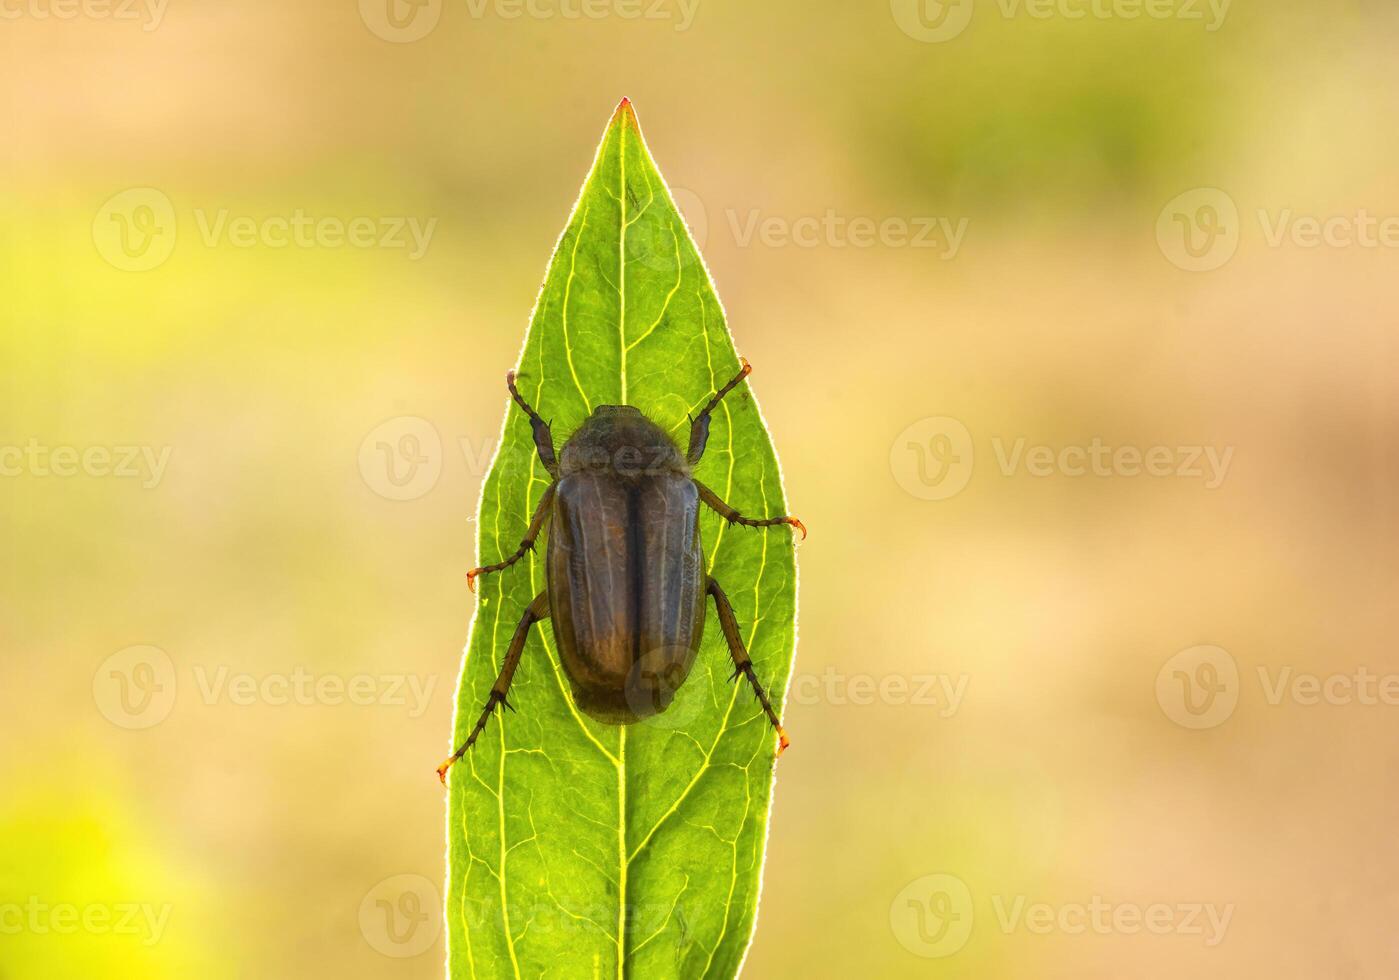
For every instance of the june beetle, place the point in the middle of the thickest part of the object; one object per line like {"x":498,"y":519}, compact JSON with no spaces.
{"x":626,"y":582}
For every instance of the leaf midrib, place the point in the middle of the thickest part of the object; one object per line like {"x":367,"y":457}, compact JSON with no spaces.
{"x":622,"y":863}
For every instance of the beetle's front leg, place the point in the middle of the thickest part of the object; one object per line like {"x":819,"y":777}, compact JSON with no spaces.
{"x":743,"y":664}
{"x":536,"y":525}
{"x":537,"y":610}
{"x":543,"y":435}
{"x":734,"y":517}
{"x":699,"y":425}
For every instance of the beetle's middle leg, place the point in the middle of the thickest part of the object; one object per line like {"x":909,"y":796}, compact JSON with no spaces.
{"x":541,"y":517}
{"x":743,"y":664}
{"x":537,"y":610}
{"x":734,"y":517}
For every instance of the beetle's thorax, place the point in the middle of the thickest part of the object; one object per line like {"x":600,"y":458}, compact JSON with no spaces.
{"x":620,"y":441}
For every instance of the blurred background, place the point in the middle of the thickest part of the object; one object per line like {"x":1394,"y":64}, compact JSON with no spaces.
{"x":1074,"y":323}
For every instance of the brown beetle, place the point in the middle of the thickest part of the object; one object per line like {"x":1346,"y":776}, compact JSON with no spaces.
{"x":626,"y":576}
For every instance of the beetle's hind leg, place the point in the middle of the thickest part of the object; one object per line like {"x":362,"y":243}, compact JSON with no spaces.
{"x":543,"y":435}
{"x":734,"y":517}
{"x":537,"y":610}
{"x":699,"y":425}
{"x":536,"y":525}
{"x":743,"y":664}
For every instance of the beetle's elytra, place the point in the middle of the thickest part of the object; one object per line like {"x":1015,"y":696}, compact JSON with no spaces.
{"x":626,"y":581}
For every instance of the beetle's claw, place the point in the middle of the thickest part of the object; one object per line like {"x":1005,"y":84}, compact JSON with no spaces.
{"x":442,"y":769}
{"x":471,"y":577}
{"x":747,"y":368}
{"x":782,"y":741}
{"x":798,"y":525}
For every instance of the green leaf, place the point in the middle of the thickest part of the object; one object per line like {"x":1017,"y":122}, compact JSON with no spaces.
{"x":579,"y":849}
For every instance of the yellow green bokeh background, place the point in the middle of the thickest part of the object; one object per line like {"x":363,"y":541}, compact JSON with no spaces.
{"x":266,"y":546}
